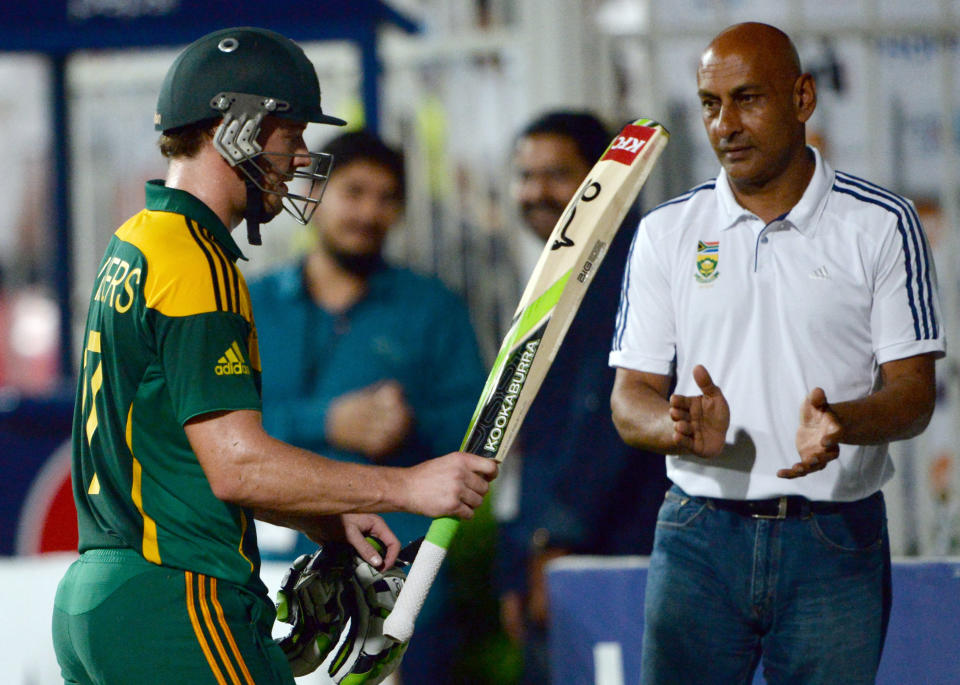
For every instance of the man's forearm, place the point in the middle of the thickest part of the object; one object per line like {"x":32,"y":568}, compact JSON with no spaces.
{"x":299,"y":484}
{"x":249,"y":468}
{"x":900,"y":409}
{"x":649,"y":428}
{"x":641,"y":412}
{"x":317,"y":528}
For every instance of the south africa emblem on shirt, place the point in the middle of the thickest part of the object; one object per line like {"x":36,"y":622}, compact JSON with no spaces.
{"x":708,"y":256}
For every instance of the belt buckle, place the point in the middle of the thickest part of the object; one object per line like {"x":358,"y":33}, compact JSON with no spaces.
{"x":781,"y":510}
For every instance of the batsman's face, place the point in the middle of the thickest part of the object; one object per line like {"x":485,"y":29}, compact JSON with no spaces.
{"x":362,"y":202}
{"x":753,"y":114}
{"x":283,"y":151}
{"x":549,"y":169}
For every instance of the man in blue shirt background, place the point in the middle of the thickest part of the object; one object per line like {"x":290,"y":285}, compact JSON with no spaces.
{"x":368,"y":362}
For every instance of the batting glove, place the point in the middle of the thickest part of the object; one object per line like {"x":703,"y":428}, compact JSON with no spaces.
{"x":310,"y":600}
{"x":336,"y":604}
{"x":368,"y":656}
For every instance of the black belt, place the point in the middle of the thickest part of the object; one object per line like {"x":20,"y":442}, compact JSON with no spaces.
{"x":777,"y":507}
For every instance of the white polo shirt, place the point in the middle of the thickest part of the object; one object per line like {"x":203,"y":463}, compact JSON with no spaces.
{"x":820,"y":297}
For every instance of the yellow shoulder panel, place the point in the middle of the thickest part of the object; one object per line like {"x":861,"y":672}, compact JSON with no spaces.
{"x":246,"y":310}
{"x":187,"y":272}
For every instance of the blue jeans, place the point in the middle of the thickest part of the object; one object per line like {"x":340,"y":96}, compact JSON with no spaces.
{"x":810,"y":595}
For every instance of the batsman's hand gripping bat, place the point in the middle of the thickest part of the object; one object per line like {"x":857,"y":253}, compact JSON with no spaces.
{"x":549,"y":302}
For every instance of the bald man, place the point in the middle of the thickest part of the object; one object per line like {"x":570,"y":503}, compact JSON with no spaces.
{"x":796,"y":310}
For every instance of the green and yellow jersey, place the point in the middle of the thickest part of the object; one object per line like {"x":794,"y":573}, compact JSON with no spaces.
{"x":169,"y":336}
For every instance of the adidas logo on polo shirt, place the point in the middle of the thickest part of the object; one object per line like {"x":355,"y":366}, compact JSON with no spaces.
{"x":231,"y":363}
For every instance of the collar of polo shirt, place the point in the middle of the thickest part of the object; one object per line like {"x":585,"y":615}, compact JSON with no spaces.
{"x":803,"y":216}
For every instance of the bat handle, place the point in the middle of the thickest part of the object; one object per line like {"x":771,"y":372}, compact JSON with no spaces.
{"x":423,"y":571}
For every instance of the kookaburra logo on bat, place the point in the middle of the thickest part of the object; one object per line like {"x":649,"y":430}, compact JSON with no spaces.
{"x":589,"y":194}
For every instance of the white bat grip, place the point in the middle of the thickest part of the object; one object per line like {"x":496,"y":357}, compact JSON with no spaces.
{"x":423,"y":571}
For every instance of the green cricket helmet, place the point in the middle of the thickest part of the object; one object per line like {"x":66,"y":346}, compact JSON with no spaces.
{"x":244,"y":74}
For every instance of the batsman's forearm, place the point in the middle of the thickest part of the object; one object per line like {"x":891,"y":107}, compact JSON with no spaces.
{"x":298,"y":485}
{"x":247,"y":467}
{"x":317,"y":528}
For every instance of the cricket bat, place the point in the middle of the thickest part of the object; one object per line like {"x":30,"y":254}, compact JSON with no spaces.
{"x":553,"y":293}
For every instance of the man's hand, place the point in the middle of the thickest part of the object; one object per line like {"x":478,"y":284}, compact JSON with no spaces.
{"x":700,"y":422}
{"x":355,"y":529}
{"x":373,"y":421}
{"x":451,"y":485}
{"x":818,"y":436}
{"x":359,"y":528}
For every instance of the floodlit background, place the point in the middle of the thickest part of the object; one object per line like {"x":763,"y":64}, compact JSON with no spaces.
{"x":454,"y":94}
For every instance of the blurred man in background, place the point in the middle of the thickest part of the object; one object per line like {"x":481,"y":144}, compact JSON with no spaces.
{"x":368,"y":362}
{"x":581,"y":490}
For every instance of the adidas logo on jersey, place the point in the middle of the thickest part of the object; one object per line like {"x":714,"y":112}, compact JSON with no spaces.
{"x":231,"y":363}
{"x":820,"y":273}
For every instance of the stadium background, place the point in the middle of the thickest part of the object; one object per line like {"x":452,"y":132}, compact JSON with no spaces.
{"x":453,"y":80}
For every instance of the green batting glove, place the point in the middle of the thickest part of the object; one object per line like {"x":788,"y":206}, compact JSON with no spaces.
{"x":309,"y":600}
{"x":366,"y":656}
